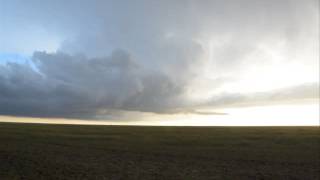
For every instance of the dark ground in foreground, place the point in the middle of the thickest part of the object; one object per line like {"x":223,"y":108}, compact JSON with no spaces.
{"x":34,"y":151}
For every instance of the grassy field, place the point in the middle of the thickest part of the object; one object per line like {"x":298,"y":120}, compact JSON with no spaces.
{"x":35,"y":151}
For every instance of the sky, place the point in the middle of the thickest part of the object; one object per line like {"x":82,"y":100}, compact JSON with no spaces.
{"x":170,"y":62}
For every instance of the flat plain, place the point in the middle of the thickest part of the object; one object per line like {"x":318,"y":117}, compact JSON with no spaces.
{"x":41,"y":151}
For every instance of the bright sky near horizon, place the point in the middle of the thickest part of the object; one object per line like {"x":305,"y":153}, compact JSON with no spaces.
{"x":209,"y":62}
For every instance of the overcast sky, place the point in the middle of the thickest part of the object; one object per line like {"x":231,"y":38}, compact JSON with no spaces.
{"x":100,"y":59}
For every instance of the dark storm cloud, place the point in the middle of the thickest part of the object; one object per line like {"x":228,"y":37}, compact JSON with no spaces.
{"x":75,"y":86}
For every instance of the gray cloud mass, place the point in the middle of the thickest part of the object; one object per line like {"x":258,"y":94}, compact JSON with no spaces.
{"x":75,"y":86}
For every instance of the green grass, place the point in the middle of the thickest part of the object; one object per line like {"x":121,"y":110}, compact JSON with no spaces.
{"x":35,"y":151}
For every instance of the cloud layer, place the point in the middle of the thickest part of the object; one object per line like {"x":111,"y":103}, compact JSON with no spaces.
{"x":76,"y":86}
{"x":90,"y":59}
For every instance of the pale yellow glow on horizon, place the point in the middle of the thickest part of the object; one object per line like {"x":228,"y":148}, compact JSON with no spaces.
{"x":276,"y":115}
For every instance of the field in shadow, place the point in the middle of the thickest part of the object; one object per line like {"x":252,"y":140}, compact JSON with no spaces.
{"x":35,"y":151}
